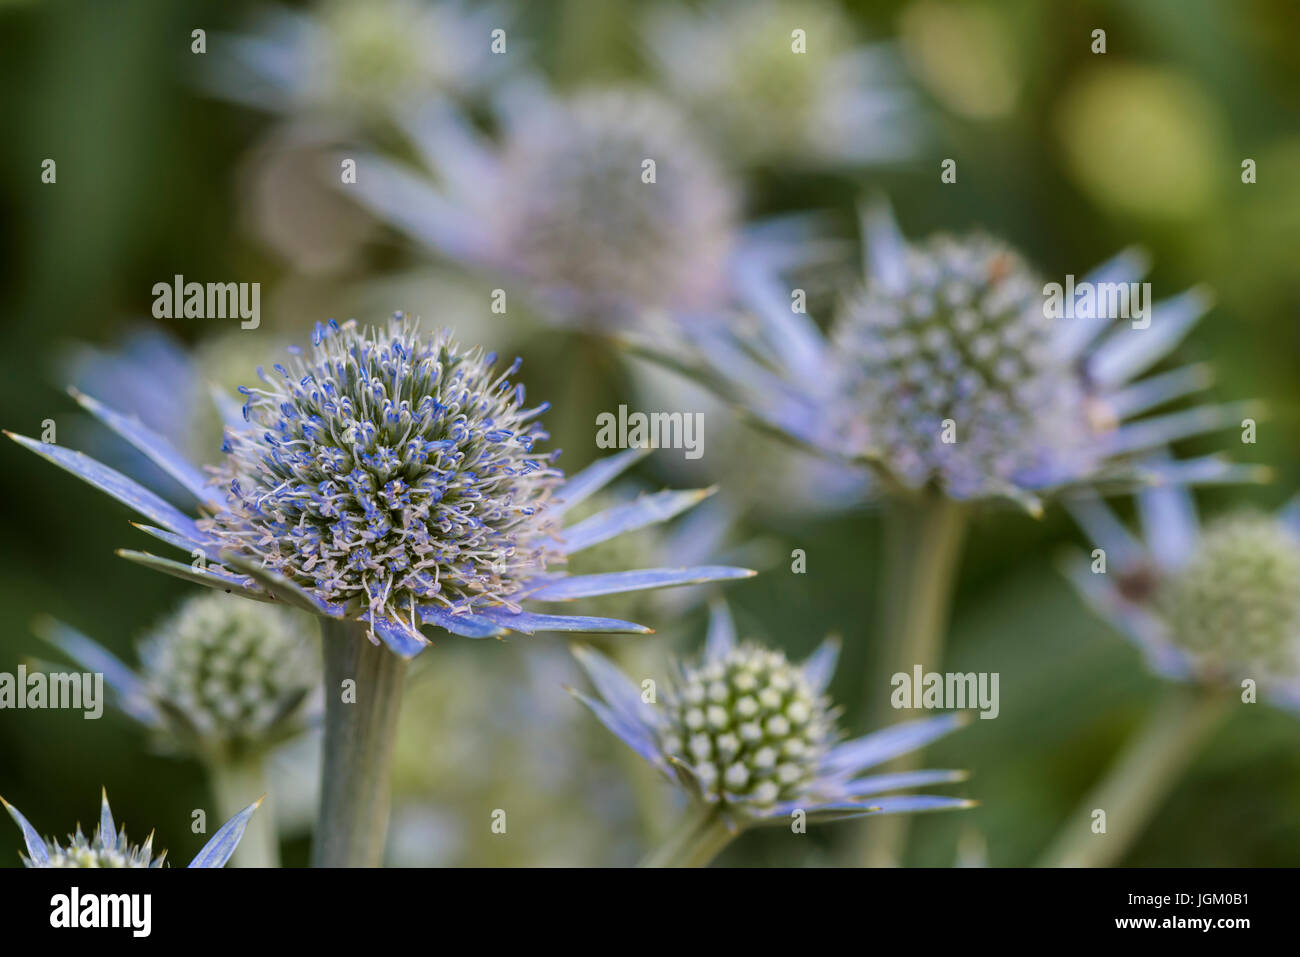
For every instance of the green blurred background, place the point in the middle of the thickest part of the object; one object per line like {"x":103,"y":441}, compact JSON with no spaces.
{"x":1068,"y":154}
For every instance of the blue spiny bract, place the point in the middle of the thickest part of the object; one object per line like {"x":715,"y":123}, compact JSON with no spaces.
{"x":110,"y":847}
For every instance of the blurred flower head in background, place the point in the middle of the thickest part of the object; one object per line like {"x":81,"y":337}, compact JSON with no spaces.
{"x":353,"y":64}
{"x":578,"y":216}
{"x":773,"y":81}
{"x":110,"y":847}
{"x":1213,"y":604}
{"x":602,"y":204}
{"x":220,"y":679}
{"x":946,"y":372}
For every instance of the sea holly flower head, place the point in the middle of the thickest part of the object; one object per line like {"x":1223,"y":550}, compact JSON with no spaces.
{"x":1212,"y":605}
{"x":601,"y":205}
{"x":751,"y":725}
{"x":579,"y":216}
{"x":770,"y":94}
{"x":348,"y":63}
{"x":1237,"y":599}
{"x":959,"y":336}
{"x":111,"y":848}
{"x":219,"y":679}
{"x":754,"y":735}
{"x":386,"y":472}
{"x":394,"y":479}
{"x":232,"y":671}
{"x":943,"y":373}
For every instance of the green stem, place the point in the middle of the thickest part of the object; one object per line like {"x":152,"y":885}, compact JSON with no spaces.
{"x":923,"y":543}
{"x":1143,"y":775}
{"x":360,"y":730}
{"x":235,"y":785}
{"x":697,"y":841}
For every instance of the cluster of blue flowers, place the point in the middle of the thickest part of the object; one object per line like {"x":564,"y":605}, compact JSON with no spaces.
{"x":392,"y":482}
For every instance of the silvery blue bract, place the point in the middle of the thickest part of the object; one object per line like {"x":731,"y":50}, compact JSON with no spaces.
{"x":110,"y":847}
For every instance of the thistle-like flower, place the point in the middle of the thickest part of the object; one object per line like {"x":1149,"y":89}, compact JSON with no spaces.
{"x":219,"y":679}
{"x":393,"y":479}
{"x":753,"y":736}
{"x":349,"y":63}
{"x":740,"y":69}
{"x":601,"y":205}
{"x":110,"y":847}
{"x":1209,"y":605}
{"x":944,"y":372}
{"x":962,"y":338}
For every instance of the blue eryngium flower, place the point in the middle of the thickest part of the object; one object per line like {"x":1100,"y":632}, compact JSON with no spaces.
{"x":733,"y":64}
{"x":944,"y":372}
{"x":220,"y":679}
{"x":110,"y":847}
{"x":1206,"y":605}
{"x":394,"y":479}
{"x":564,"y":204}
{"x":754,"y":735}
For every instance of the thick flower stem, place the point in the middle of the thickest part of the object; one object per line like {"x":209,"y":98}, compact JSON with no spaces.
{"x":235,"y":785}
{"x":700,"y":838}
{"x":363,"y":693}
{"x":1139,"y":780}
{"x":923,"y":543}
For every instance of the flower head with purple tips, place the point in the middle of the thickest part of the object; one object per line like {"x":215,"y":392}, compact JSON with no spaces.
{"x":110,"y":847}
{"x":394,"y":479}
{"x":385,"y":472}
{"x":754,"y":735}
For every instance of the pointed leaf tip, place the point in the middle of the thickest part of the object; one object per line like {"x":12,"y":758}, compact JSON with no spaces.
{"x":218,"y":850}
{"x":36,"y":847}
